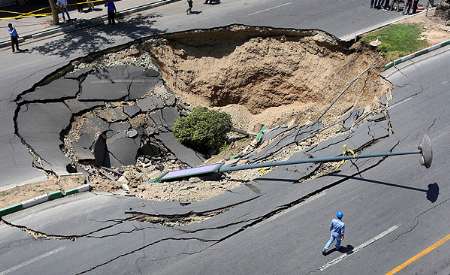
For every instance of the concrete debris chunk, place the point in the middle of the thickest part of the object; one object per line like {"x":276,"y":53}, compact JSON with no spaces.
{"x":132,"y":110}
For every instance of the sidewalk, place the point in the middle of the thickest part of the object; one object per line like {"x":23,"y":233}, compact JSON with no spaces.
{"x":38,"y":27}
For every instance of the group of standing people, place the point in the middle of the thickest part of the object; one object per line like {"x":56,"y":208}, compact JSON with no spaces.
{"x":409,"y":8}
{"x":109,"y":4}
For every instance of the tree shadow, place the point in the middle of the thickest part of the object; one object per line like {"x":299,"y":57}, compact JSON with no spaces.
{"x":93,"y":35}
{"x":432,"y":192}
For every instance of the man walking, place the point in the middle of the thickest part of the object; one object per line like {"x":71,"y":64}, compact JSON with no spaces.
{"x":337,"y":229}
{"x":62,"y":5}
{"x":111,"y":7}
{"x":14,"y":38}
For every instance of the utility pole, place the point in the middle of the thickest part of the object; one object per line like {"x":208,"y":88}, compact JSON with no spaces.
{"x":54,"y":10}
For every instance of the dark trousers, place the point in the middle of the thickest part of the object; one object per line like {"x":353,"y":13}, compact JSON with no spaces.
{"x":189,"y":10}
{"x":111,"y":17}
{"x":414,"y":7}
{"x":407,"y":7}
{"x":15,"y":43}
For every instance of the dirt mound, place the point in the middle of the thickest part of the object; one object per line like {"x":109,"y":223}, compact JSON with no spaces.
{"x":299,"y":72}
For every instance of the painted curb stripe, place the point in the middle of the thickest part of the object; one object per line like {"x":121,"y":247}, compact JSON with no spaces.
{"x":43,"y":198}
{"x":34,"y":201}
{"x":55,"y":195}
{"x":10,"y":209}
{"x":416,"y":54}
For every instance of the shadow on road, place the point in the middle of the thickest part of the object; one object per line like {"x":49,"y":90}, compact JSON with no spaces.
{"x":343,"y":249}
{"x":92,"y":39}
{"x":432,"y":193}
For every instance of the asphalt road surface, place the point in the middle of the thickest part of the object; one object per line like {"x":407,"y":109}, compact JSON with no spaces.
{"x":394,"y":210}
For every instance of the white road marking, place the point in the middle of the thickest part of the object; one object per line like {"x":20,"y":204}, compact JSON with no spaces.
{"x":32,"y":260}
{"x":367,"y":243}
{"x":290,"y":209}
{"x":272,"y":8}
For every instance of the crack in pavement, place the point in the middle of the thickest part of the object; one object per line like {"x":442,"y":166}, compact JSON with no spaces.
{"x":417,"y":219}
{"x":172,"y":220}
{"x":143,"y":247}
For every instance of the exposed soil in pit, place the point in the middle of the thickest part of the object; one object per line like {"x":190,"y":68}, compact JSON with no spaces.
{"x":258,"y":75}
{"x":267,"y":76}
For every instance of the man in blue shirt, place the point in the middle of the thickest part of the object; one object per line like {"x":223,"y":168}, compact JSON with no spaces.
{"x":337,"y":230}
{"x":14,"y":37}
{"x":111,"y":7}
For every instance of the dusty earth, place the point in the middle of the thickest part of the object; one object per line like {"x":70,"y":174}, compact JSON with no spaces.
{"x":435,"y":28}
{"x":271,"y":80}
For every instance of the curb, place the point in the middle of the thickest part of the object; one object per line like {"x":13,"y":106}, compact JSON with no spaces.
{"x":416,"y":54}
{"x":43,"y":198}
{"x":97,"y":21}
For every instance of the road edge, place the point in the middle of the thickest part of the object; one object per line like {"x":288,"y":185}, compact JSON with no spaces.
{"x":43,"y":198}
{"x":96,"y":21}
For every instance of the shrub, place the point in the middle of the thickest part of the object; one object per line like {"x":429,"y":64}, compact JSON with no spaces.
{"x":203,"y":130}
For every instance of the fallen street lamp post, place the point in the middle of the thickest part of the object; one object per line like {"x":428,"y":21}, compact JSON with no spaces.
{"x":424,"y":150}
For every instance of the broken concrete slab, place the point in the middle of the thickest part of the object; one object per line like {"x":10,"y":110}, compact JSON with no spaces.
{"x":351,"y":118}
{"x":86,"y":140}
{"x":131,"y":110}
{"x":150,"y":103}
{"x":123,"y":149}
{"x":60,"y":88}
{"x":181,"y":152}
{"x":141,"y":86}
{"x":43,"y":118}
{"x":95,"y":88}
{"x":78,"y":73}
{"x":120,"y":127}
{"x":157,"y":118}
{"x":83,"y":154}
{"x":169,"y":115}
{"x":77,"y":106}
{"x":94,"y":124}
{"x":112,"y":114}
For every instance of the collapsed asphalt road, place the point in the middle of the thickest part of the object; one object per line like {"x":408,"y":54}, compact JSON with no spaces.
{"x":275,"y":226}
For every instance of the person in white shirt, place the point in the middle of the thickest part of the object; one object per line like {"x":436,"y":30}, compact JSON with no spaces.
{"x":62,"y":5}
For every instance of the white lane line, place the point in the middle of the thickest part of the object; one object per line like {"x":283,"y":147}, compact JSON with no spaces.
{"x":290,"y":209}
{"x":32,"y":260}
{"x":269,"y":9}
{"x":367,"y":243}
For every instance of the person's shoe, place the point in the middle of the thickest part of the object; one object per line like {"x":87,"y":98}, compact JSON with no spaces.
{"x":324,"y":252}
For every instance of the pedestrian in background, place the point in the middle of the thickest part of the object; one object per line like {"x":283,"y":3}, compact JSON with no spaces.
{"x":407,"y":6}
{"x":414,"y":7}
{"x":62,"y":5}
{"x":189,"y":9}
{"x":111,"y":8}
{"x":337,"y":229}
{"x":14,"y":38}
{"x":91,"y":6}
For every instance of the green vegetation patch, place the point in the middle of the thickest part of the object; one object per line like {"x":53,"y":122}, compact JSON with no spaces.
{"x":203,"y":130}
{"x":398,"y":40}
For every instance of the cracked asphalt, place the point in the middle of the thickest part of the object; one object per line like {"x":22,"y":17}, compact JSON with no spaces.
{"x":278,"y":229}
